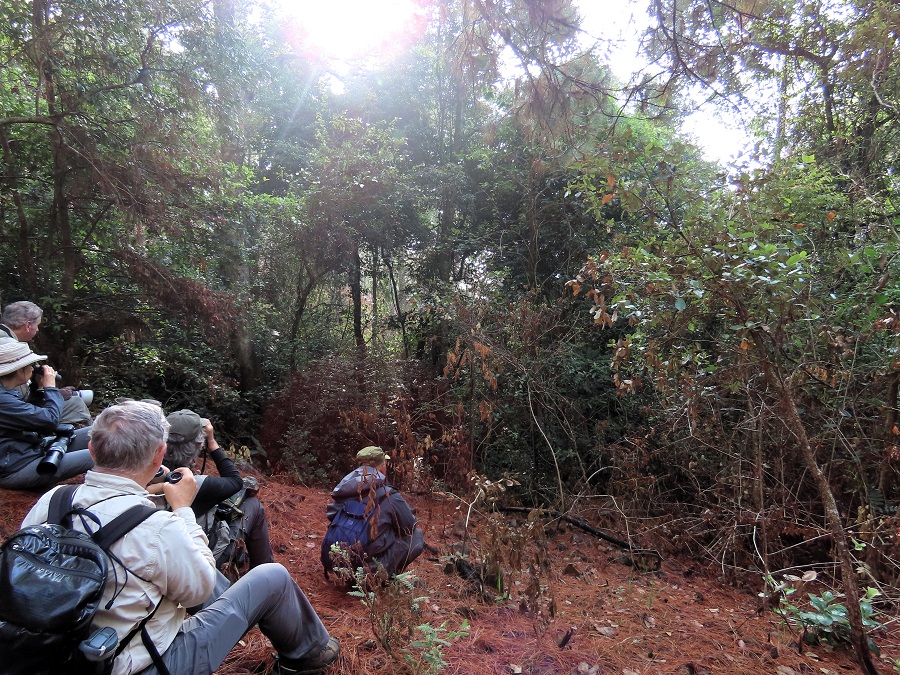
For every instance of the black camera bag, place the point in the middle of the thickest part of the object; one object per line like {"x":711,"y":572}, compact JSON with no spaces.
{"x":52,"y":579}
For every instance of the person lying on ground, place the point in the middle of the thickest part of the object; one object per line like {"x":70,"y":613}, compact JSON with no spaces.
{"x":25,"y":424}
{"x":189,"y":434}
{"x":164,"y":565}
{"x":396,"y":541}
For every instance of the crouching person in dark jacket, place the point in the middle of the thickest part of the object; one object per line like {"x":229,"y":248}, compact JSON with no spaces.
{"x":189,"y":434}
{"x":395,"y":540}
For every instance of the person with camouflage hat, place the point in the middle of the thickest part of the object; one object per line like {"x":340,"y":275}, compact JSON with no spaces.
{"x":396,"y":541}
{"x":189,"y":434}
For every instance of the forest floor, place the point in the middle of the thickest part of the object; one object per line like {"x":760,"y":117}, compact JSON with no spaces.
{"x":609,"y":617}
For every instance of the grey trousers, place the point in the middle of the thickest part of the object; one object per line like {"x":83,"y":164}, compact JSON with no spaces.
{"x":76,"y":461}
{"x":266,"y":595}
{"x":74,"y":411}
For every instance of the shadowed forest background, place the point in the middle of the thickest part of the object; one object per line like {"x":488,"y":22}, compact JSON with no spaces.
{"x":488,"y":255}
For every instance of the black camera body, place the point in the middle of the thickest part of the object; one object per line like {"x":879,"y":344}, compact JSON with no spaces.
{"x":54,"y":449}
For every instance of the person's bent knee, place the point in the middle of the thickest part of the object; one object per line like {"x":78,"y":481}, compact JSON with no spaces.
{"x":273,"y":573}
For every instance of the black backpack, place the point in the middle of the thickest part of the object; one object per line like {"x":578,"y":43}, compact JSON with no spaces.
{"x":352,"y":528}
{"x":52,"y":579}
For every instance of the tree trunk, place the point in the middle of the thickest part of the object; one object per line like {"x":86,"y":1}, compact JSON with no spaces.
{"x":60,"y":217}
{"x":890,"y":436}
{"x":303,"y":292}
{"x":401,"y":316}
{"x":26,"y":255}
{"x":828,"y":96}
{"x":232,"y":150}
{"x":374,"y":327}
{"x":356,"y":295}
{"x":848,"y":575}
{"x":60,"y":225}
{"x":759,"y":475}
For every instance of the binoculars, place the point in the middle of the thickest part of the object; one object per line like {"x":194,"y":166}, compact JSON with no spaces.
{"x":38,"y":374}
{"x":171,"y":477}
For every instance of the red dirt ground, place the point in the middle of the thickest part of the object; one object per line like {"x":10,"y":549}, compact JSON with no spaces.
{"x":677,"y":620}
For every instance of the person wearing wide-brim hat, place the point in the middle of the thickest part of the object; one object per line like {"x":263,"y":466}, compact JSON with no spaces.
{"x":25,"y":423}
{"x":396,"y":540}
{"x":20,"y":322}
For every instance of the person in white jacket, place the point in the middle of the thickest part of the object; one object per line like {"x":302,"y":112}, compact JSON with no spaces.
{"x":165,"y":563}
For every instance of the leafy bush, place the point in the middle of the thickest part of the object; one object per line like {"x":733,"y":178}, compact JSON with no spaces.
{"x":825,"y":619}
{"x":338,"y":405}
{"x":395,"y":615}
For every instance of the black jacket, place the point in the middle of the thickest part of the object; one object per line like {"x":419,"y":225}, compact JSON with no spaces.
{"x":214,"y":489}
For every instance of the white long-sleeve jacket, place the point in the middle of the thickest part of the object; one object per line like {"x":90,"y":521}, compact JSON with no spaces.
{"x":167,"y":558}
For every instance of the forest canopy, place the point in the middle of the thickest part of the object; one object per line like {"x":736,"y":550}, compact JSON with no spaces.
{"x":485,"y":252}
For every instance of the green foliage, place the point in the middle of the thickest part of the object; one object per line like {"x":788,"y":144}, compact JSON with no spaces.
{"x":391,"y":603}
{"x":824,"y":619}
{"x":535,"y":387}
{"x":395,"y":613}
{"x":428,"y":657}
{"x":728,"y":295}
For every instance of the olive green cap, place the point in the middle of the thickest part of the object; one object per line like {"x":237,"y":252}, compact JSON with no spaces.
{"x":373,"y":454}
{"x":184,"y":425}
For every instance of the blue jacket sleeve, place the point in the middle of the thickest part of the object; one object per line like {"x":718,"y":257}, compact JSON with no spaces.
{"x":41,"y":414}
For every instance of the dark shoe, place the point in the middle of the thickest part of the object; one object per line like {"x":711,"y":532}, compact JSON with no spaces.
{"x":312,"y":663}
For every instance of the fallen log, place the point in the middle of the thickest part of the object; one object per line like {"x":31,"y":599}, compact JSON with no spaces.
{"x":636,"y":553}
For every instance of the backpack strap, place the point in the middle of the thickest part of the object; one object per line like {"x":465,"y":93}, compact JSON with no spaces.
{"x":151,"y":648}
{"x":60,"y":508}
{"x":148,"y":643}
{"x":121,"y":525}
{"x":114,"y":530}
{"x":61,"y":504}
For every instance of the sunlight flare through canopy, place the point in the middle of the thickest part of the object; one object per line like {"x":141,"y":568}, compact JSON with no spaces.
{"x":351,"y":29}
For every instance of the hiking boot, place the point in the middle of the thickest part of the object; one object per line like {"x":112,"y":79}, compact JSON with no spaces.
{"x":314,"y":662}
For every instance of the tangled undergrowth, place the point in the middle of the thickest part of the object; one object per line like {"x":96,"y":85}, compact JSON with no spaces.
{"x":607,"y":617}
